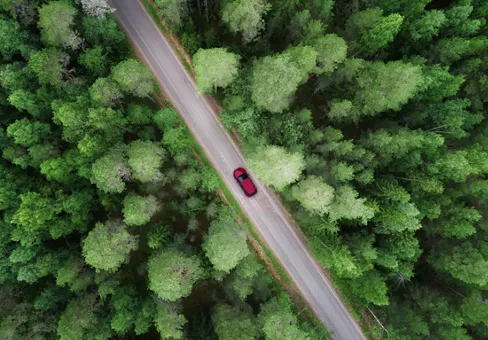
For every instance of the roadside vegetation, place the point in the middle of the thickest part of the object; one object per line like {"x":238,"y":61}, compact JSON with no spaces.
{"x":368,"y":117}
{"x":110,"y":227}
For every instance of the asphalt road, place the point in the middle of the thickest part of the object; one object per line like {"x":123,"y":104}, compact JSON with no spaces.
{"x":264,"y":210}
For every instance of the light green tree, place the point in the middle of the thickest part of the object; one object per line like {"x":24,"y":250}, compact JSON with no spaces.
{"x":381,"y":34}
{"x":331,"y":51}
{"x":276,"y":78}
{"x":234,"y":323}
{"x":427,"y":26}
{"x":278,"y":322}
{"x":387,"y":86}
{"x":314,"y":194}
{"x":245,"y":17}
{"x":215,"y":67}
{"x":55,"y":21}
{"x":145,"y":158}
{"x":49,"y":66}
{"x":94,"y":60}
{"x":173,"y":11}
{"x":226,"y":244}
{"x":105,"y":92}
{"x":138,"y":210}
{"x":169,"y":321}
{"x":270,"y":160}
{"x":110,"y":171}
{"x":347,"y":205}
{"x":172,"y":274}
{"x":108,"y":245}
{"x":82,"y":320}
{"x":133,"y":77}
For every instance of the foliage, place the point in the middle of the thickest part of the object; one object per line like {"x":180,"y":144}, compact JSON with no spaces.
{"x":225,"y":245}
{"x":55,"y":21}
{"x":276,"y":78}
{"x":215,"y":68}
{"x":245,"y":17}
{"x":172,"y":274}
{"x":269,"y":161}
{"x":106,"y":247}
{"x":138,"y":210}
{"x":233,"y":323}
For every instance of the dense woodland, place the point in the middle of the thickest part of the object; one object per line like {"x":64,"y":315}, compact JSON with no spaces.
{"x":110,"y":227}
{"x":374,"y":113}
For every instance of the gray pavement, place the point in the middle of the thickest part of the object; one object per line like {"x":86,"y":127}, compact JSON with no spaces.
{"x":264,"y":210}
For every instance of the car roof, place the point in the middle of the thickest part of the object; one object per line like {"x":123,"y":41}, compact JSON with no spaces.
{"x":248,"y":185}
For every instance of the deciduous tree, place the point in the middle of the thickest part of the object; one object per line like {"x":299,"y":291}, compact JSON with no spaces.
{"x":215,"y":67}
{"x":226,"y":244}
{"x":133,"y":78}
{"x":138,"y":210}
{"x":55,"y":21}
{"x":107,"y":246}
{"x":245,"y":17}
{"x":172,"y":274}
{"x":267,"y":161}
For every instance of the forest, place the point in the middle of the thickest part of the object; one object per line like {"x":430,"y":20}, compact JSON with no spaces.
{"x":374,"y":113}
{"x":111,"y":227}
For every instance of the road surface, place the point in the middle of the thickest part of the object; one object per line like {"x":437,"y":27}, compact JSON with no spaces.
{"x":263,"y":209}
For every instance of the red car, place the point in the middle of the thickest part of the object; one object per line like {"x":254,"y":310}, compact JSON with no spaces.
{"x":242,"y":177}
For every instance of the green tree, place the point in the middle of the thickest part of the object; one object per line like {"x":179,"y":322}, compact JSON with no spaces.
{"x":269,"y":160}
{"x":145,"y":159}
{"x":94,"y":60}
{"x":381,"y":34}
{"x":126,"y":306}
{"x":27,"y":133}
{"x":387,"y":86}
{"x":458,"y":22}
{"x":82,"y":319}
{"x":234,"y":323}
{"x":427,"y":26}
{"x":108,"y":245}
{"x":104,"y":32}
{"x":133,"y":78}
{"x":245,"y":17}
{"x":305,"y":29}
{"x":278,"y":322}
{"x":139,"y":114}
{"x":475,"y":309}
{"x":105,"y":92}
{"x":172,"y":274}
{"x":173,"y":11}
{"x":347,"y":205}
{"x":276,"y":78}
{"x":14,"y":39}
{"x":226,"y":244}
{"x":314,"y":195}
{"x":331,"y":51}
{"x":464,"y":262}
{"x":35,"y":211}
{"x":169,"y":321}
{"x":439,"y":83}
{"x":49,"y":66}
{"x":450,"y":50}
{"x":215,"y":67}
{"x":138,"y":210}
{"x":27,"y":101}
{"x":110,"y":171}
{"x":55,"y":21}
{"x":368,"y":288}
